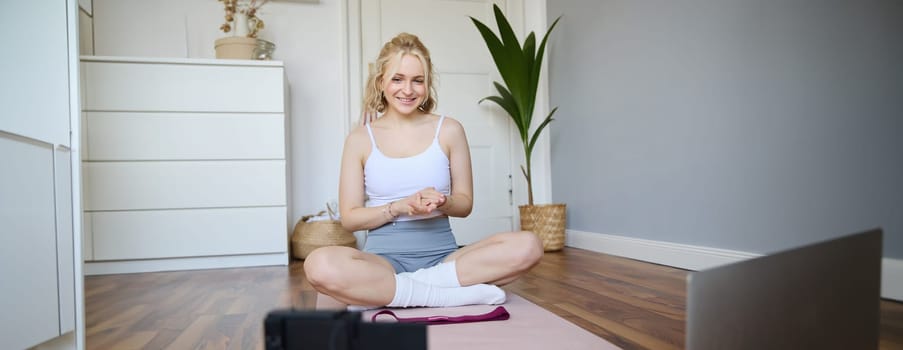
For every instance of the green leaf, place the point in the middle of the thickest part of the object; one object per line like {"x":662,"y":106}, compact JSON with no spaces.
{"x":539,"y":130}
{"x":531,"y":83}
{"x":537,"y":64}
{"x":516,"y":76}
{"x":507,"y":104}
{"x":496,"y":48}
{"x":523,"y":126}
{"x":529,"y":49}
{"x":542,"y":46}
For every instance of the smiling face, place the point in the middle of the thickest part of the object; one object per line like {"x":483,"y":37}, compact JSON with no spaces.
{"x":396,"y":77}
{"x":405,"y":89}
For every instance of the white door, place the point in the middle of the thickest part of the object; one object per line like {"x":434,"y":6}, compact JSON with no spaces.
{"x":38,"y":293}
{"x":466,"y":73}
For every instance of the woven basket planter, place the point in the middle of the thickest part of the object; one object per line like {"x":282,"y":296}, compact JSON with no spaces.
{"x":547,"y":221}
{"x":312,"y":235}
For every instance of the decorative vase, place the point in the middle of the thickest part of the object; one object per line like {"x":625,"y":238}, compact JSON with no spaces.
{"x":241,"y":24}
{"x":264,"y":50}
{"x":546,"y":221}
{"x":235,"y":47}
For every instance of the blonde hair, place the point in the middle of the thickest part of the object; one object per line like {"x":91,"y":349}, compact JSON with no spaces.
{"x":402,"y":44}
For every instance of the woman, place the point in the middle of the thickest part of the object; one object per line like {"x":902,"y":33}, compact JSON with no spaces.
{"x":402,"y":176}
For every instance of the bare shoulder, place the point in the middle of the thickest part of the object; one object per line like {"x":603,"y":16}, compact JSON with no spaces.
{"x":358,"y":140}
{"x":452,"y":127}
{"x":452,"y":136}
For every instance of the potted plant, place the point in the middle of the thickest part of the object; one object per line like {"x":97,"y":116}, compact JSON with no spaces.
{"x":520,"y":67}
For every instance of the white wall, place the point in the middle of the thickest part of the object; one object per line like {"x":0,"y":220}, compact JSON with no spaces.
{"x":85,"y":27}
{"x":308,"y":37}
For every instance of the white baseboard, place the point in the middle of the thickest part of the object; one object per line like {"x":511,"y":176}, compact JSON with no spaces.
{"x":176,"y":264}
{"x":690,"y":257}
{"x":892,"y":279}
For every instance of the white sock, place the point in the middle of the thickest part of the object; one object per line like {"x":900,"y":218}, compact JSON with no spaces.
{"x":412,"y":293}
{"x":442,"y":275}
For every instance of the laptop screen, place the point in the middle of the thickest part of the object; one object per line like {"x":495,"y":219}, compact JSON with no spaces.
{"x":824,"y":295}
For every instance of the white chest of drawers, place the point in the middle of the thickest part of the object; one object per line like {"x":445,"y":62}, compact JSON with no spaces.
{"x":184,"y":164}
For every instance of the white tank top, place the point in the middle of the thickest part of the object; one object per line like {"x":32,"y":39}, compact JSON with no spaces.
{"x":389,"y":179}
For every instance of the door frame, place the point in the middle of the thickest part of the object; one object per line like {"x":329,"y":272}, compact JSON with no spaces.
{"x":75,"y":113}
{"x":525,"y":16}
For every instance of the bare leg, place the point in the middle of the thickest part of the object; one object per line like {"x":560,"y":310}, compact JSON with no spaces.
{"x":358,"y":278}
{"x":498,"y":259}
{"x":350,"y":275}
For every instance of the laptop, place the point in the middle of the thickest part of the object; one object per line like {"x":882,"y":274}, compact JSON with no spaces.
{"x":824,"y":295}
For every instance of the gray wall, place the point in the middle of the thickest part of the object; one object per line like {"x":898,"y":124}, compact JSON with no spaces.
{"x":744,"y":125}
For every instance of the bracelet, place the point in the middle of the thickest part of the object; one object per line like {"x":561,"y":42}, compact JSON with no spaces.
{"x":387,"y":211}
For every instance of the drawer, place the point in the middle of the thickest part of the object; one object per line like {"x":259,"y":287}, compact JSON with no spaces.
{"x":183,"y":136}
{"x":183,"y":184}
{"x":184,"y":233}
{"x":170,"y":87}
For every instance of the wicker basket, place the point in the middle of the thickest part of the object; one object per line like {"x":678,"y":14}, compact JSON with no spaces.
{"x":315,"y":234}
{"x":546,"y":221}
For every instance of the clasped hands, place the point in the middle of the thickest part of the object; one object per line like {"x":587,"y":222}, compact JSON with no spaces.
{"x":421,"y":202}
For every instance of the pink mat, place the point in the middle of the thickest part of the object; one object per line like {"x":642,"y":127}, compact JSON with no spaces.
{"x":530,"y":327}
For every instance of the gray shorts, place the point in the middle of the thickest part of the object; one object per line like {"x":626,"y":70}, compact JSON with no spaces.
{"x":412,"y":245}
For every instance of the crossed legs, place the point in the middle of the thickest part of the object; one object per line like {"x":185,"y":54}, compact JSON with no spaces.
{"x":359,"y":278}
{"x":498,"y":259}
{"x":350,"y":275}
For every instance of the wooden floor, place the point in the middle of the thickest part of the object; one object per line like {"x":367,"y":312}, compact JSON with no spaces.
{"x":632,"y":304}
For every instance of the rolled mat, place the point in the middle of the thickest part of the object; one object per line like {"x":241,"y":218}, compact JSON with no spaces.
{"x":529,"y":327}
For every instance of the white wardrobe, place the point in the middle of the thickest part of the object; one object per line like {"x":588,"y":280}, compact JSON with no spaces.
{"x":184,"y":164}
{"x":40,"y":268}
